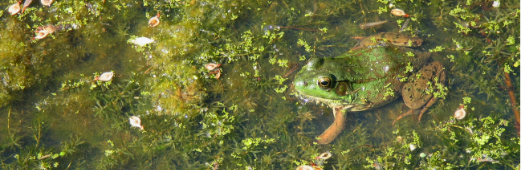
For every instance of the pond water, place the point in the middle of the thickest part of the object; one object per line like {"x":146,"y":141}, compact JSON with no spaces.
{"x":56,"y":113}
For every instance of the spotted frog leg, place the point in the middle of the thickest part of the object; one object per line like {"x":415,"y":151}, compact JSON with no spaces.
{"x":414,"y":92}
{"x":387,"y":38}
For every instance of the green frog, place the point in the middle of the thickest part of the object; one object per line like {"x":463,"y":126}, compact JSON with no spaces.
{"x":367,"y":78}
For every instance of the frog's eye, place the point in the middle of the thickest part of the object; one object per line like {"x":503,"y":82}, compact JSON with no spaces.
{"x":324,"y":82}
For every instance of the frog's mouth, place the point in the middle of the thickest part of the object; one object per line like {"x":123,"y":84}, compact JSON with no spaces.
{"x":307,"y":98}
{"x":331,"y":102}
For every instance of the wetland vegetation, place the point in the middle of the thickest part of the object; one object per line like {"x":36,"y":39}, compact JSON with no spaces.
{"x":245,"y":114}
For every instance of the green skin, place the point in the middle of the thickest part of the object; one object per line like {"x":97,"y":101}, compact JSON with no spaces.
{"x":359,"y":80}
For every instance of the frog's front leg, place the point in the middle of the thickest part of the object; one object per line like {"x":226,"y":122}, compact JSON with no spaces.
{"x":414,"y":92}
{"x":336,"y":128}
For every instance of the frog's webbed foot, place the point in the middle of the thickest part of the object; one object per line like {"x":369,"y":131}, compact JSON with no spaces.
{"x":411,"y":111}
{"x":358,"y":45}
{"x":336,"y":128}
{"x":431,"y":102}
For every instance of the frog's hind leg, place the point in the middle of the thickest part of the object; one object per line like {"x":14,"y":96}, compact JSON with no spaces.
{"x":413,"y":92}
{"x":438,"y":72}
{"x":336,"y":128}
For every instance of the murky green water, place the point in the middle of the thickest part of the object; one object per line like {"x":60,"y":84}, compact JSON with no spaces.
{"x":245,"y":114}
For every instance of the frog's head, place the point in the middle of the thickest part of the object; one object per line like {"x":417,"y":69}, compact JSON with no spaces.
{"x":318,"y":82}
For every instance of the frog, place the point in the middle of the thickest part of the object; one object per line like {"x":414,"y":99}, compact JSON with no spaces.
{"x":367,"y":78}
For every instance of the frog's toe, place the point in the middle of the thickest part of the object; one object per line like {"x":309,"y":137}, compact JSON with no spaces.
{"x":403,"y":115}
{"x":429,"y":104}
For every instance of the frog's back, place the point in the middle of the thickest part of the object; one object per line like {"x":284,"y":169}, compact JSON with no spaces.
{"x":367,"y":64}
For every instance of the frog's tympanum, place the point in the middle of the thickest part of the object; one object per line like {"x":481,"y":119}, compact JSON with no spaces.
{"x":366,"y":78}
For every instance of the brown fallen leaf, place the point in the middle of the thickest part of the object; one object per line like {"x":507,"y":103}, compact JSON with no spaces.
{"x":14,"y":8}
{"x":26,"y":4}
{"x":46,"y":2}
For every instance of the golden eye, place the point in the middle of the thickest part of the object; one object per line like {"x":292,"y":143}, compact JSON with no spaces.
{"x":324,"y":82}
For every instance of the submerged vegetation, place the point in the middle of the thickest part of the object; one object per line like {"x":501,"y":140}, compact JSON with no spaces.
{"x":54,"y":114}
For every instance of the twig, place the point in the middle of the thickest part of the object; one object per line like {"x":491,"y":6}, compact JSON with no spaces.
{"x":512,"y":99}
{"x":405,"y":25}
{"x":8,"y":120}
{"x":291,"y":70}
{"x":299,"y":28}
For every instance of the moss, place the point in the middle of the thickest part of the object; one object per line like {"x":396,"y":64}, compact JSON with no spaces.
{"x":14,"y":70}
